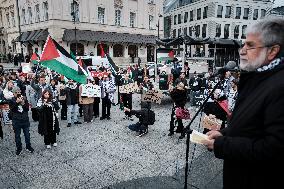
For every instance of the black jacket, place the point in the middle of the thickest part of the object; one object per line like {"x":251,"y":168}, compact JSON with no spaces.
{"x":179,"y":97}
{"x":253,"y":143}
{"x":18,"y":112}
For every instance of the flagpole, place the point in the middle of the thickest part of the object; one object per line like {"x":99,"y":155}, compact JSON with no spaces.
{"x":75,"y":31}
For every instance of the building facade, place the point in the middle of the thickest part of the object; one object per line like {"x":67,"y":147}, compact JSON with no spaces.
{"x":126,"y":29}
{"x":277,"y":12}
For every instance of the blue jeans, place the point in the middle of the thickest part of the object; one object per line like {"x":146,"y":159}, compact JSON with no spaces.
{"x":137,"y":127}
{"x":26,"y":130}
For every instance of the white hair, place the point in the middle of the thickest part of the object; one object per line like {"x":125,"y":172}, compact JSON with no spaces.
{"x":270,"y":31}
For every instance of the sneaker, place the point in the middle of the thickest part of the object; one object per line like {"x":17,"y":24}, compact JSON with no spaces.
{"x":131,"y":119}
{"x":143,"y":133}
{"x":18,"y":152}
{"x":77,"y":122}
{"x":55,"y":144}
{"x":30,"y":149}
{"x":170,"y":134}
{"x":181,"y":136}
{"x":92,"y":120}
{"x":48,"y":146}
{"x":108,"y":118}
{"x":101,"y":118}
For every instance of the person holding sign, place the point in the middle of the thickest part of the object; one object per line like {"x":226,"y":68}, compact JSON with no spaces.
{"x":127,"y":97}
{"x":86,"y":101}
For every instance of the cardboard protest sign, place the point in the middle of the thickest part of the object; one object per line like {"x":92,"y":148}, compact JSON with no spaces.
{"x":26,"y":67}
{"x":129,"y":88}
{"x":152,"y":96}
{"x":90,"y":90}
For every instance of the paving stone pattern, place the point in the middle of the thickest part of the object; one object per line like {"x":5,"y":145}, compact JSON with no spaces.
{"x":106,"y":154}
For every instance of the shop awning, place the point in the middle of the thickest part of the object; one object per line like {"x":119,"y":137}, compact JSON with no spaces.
{"x":33,"y":36}
{"x":113,"y":37}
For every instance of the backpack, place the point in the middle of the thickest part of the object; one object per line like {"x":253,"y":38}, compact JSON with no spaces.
{"x":149,"y":119}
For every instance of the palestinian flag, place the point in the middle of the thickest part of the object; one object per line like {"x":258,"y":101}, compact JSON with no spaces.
{"x":165,"y":54}
{"x":103,"y":54}
{"x":35,"y":58}
{"x":58,"y":59}
{"x":113,"y":67}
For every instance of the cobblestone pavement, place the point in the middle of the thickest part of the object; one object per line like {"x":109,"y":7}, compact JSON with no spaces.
{"x":105,"y":154}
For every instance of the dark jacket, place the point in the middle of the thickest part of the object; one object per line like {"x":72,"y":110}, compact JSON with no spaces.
{"x":72,"y":94}
{"x":19,"y":113}
{"x":253,"y":143}
{"x":46,"y":122}
{"x":179,"y":97}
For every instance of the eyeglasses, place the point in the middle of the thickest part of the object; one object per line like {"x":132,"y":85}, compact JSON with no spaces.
{"x":251,"y":48}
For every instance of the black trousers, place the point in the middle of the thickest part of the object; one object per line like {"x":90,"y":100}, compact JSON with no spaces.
{"x":106,"y":105}
{"x":34,"y":114}
{"x":63,"y":109}
{"x":172,"y":123}
{"x":50,"y":138}
{"x":127,"y":102}
{"x":96,"y":107}
{"x":1,"y":131}
{"x":118,"y":95}
{"x":81,"y":110}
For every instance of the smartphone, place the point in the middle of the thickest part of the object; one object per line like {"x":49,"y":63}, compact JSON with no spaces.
{"x":19,"y":95}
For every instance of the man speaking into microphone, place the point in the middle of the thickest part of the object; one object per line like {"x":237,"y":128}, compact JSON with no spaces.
{"x":252,"y":145}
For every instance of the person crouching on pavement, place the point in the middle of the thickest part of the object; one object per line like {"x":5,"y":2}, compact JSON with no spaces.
{"x":179,"y":96}
{"x":19,"y":108}
{"x":142,"y":125}
{"x":48,"y":125}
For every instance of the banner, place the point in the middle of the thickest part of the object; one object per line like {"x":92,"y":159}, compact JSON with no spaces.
{"x":91,"y":90}
{"x":152,"y":96}
{"x":26,"y":67}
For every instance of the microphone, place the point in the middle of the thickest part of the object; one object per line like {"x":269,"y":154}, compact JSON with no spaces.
{"x":230,"y":66}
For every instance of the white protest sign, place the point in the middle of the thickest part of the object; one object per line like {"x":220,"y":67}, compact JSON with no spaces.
{"x":26,"y":67}
{"x":90,"y":90}
{"x":129,"y":88}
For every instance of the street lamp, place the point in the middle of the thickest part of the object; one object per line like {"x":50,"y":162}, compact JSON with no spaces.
{"x":73,"y":14}
{"x":158,"y":26}
{"x":19,"y":26}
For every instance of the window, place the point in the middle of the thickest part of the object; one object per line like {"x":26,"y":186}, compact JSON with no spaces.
{"x":227,"y":31}
{"x":13,"y":19}
{"x":132,"y":19}
{"x":204,"y":28}
{"x":191,"y":16}
{"x":175,"y":19}
{"x":190,"y":31}
{"x":228,"y":12}
{"x":23,"y":16}
{"x":37,"y":17}
{"x":45,"y":11}
{"x":179,"y":18}
{"x":244,"y":27}
{"x":185,"y":17}
{"x":219,"y":11}
{"x":151,"y":22}
{"x":117,"y":17}
{"x":238,"y":12}
{"x":174,"y":33}
{"x":30,"y":15}
{"x":218,"y":30}
{"x":262,"y":13}
{"x":246,"y":13}
{"x":8,"y":19}
{"x":101,"y":15}
{"x":118,"y":50}
{"x":179,"y":32}
{"x":255,"y":14}
{"x":75,"y":11}
{"x":197,"y":31}
{"x":185,"y":31}
{"x":205,"y":11}
{"x":198,"y":14}
{"x":236,"y":31}
{"x":1,"y":18}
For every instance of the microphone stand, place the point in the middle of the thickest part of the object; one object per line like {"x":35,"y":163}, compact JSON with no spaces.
{"x":188,"y":131}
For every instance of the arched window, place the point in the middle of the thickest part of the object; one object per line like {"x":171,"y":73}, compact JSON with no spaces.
{"x":132,"y":50}
{"x":117,"y":50}
{"x":105,"y":47}
{"x":80,"y":49}
{"x":75,"y":11}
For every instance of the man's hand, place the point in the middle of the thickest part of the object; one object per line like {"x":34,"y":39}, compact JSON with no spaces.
{"x":19,"y":99}
{"x":126,"y":109}
{"x":212,"y":135}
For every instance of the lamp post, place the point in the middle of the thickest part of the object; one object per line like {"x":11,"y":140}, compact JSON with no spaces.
{"x":74,"y":13}
{"x":158,"y":26}
{"x":19,"y":26}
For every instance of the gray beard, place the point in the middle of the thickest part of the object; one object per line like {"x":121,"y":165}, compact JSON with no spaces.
{"x":253,"y":66}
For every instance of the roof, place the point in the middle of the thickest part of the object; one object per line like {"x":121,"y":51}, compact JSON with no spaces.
{"x":99,"y":36}
{"x":35,"y":35}
{"x":278,"y":10}
{"x":197,"y":41}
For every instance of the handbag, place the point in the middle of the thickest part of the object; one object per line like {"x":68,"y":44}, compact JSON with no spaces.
{"x":211,"y":122}
{"x":182,"y":113}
